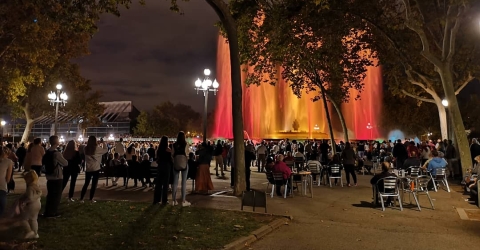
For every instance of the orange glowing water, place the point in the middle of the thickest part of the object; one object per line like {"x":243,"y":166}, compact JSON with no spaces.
{"x":270,"y":111}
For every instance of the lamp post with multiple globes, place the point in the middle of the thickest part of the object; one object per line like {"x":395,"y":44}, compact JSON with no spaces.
{"x":206,"y":86}
{"x":56,"y":99}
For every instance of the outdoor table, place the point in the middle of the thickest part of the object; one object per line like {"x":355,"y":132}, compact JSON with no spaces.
{"x":408,"y":180}
{"x":306,"y":178}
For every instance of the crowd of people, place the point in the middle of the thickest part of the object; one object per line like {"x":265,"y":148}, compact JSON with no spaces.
{"x":177,"y":161}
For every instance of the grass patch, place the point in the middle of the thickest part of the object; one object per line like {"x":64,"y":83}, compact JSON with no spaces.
{"x":132,"y":225}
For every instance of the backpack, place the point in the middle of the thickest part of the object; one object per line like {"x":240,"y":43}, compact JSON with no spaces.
{"x":47,"y":162}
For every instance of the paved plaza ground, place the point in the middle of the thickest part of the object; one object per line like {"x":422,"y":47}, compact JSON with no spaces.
{"x":337,"y":218}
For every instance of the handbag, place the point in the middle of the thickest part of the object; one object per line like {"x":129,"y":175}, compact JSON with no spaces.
{"x":180,"y":163}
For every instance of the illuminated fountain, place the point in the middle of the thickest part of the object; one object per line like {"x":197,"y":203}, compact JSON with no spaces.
{"x":274,"y":112}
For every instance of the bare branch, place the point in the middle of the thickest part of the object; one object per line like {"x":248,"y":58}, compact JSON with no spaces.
{"x":417,"y":97}
{"x":461,"y":87}
{"x":453,"y":34}
{"x":410,"y":23}
{"x":447,"y":33}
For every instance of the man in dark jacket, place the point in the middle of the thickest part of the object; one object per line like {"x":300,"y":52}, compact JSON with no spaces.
{"x":400,"y":153}
{"x":412,"y":161}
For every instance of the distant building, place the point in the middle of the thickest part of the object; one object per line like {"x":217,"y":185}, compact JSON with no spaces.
{"x":116,"y":120}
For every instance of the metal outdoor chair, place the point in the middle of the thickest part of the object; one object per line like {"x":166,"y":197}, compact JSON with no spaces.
{"x":421,"y":187}
{"x":389,"y":189}
{"x":315,"y":170}
{"x":271,"y":181}
{"x":278,"y":178}
{"x":440,"y":177}
{"x":335,"y":173}
{"x":414,"y":171}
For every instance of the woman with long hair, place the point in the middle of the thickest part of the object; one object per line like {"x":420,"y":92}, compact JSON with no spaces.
{"x":180,"y":165}
{"x":6,"y":170}
{"x":93,"y":159}
{"x":72,"y":155}
{"x":165,"y":164}
{"x":203,"y":182}
{"x":348,"y":157}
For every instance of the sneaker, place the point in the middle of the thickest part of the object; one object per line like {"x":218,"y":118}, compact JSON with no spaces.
{"x":174,"y":203}
{"x":53,"y":216}
{"x":93,"y":201}
{"x":70,"y":200}
{"x":82,"y":201}
{"x":355,"y":184}
{"x":186,"y":204}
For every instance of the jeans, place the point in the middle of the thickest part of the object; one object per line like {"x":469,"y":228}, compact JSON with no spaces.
{"x":175,"y":184}
{"x":93,"y":176}
{"x":54,"y":195}
{"x":161,"y":185}
{"x":350,"y":170}
{"x":67,"y":172}
{"x":261,"y":162}
{"x":3,"y":201}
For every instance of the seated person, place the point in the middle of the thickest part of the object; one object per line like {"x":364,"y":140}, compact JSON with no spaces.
{"x":436,"y":162}
{"x":314,"y":161}
{"x":474,"y":191}
{"x":288,"y":158}
{"x":270,"y":164}
{"x":299,"y":154}
{"x":385,"y":173}
{"x":281,"y":167}
{"x":335,"y":161}
{"x":412,"y":161}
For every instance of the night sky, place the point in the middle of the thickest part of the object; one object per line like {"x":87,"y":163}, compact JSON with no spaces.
{"x":149,"y":54}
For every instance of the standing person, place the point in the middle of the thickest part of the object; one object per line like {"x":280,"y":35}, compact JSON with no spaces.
{"x":450,"y":156}
{"x":180,"y":149}
{"x":262,"y":156}
{"x":400,"y":153}
{"x":21,"y":154}
{"x":203,"y":182}
{"x":145,"y":169}
{"x":218,"y":158}
{"x":165,"y":164}
{"x":53,"y":161}
{"x":93,"y":159}
{"x":27,"y":164}
{"x":72,"y":170}
{"x":120,"y":148}
{"x":36,"y":155}
{"x":6,"y":170}
{"x":348,"y":157}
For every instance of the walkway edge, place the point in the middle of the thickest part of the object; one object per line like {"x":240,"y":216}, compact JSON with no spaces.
{"x":257,"y":234}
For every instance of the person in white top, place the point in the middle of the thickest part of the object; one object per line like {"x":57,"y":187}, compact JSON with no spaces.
{"x":120,"y":148}
{"x":262,"y":156}
{"x":6,"y":168}
{"x":93,"y":158}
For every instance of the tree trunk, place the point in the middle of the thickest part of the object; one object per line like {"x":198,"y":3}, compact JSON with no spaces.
{"x":29,"y":125}
{"x":223,"y":12}
{"x":458,"y":127}
{"x":340,"y":115}
{"x":324,"y":99}
{"x":442,"y":113}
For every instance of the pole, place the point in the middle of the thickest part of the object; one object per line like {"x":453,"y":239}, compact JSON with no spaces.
{"x":56,"y":119}
{"x":205,"y":93}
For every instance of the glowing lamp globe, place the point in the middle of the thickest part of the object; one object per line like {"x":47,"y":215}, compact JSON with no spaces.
{"x":198,"y":83}
{"x":206,"y":72}
{"x":215,"y":84}
{"x":59,"y":86}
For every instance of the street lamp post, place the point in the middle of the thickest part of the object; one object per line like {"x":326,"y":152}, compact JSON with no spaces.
{"x":3,"y":123}
{"x":447,"y":117}
{"x":206,"y":86}
{"x":56,"y":99}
